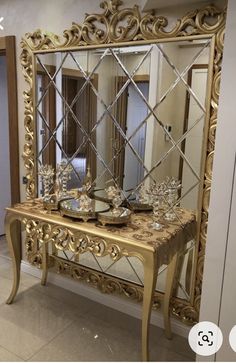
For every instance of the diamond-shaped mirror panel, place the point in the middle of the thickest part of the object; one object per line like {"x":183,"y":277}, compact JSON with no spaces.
{"x":133,"y":115}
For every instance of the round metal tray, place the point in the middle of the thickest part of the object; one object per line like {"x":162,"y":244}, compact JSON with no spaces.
{"x":122,"y":217}
{"x":137,"y":206}
{"x":71,"y":208}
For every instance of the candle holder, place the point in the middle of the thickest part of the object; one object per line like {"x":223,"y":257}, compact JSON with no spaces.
{"x":172,"y":187}
{"x":157,"y":193}
{"x":142,"y":195}
{"x":114,"y":194}
{"x":142,"y":199}
{"x":47,"y":174}
{"x":63,"y":175}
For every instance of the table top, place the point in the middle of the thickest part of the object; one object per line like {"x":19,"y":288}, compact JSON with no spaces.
{"x":170,"y":239}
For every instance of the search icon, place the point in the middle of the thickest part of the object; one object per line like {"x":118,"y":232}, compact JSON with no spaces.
{"x":205,"y":338}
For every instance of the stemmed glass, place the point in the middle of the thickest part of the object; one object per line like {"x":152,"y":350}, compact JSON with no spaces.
{"x":172,"y":187}
{"x":85,"y":202}
{"x":114,"y":194}
{"x":142,"y":195}
{"x":157,"y":193}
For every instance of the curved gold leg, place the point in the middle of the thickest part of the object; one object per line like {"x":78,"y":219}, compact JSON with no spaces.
{"x":189,"y":271}
{"x":168,"y":293}
{"x":150,"y":278}
{"x":44,"y":264}
{"x":14,"y":245}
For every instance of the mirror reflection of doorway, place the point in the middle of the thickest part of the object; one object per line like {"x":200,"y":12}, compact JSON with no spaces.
{"x":85,"y":109}
{"x":192,"y":145}
{"x":131,"y":110}
{"x":53,"y":107}
{"x":136,"y":113}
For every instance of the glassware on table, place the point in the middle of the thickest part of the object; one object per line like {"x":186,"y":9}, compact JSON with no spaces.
{"x":114,"y":194}
{"x":142,"y":195}
{"x":87,"y":182}
{"x":172,"y":187}
{"x":63,"y":175}
{"x":157,"y":193}
{"x":85,"y":203}
{"x":47,"y":174}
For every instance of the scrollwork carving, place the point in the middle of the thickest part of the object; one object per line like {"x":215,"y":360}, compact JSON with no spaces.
{"x":66,"y":240}
{"x":105,"y":283}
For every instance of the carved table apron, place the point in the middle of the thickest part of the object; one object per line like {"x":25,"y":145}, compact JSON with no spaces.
{"x":153,"y":248}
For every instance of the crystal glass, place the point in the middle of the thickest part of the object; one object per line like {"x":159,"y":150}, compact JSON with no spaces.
{"x":47,"y":173}
{"x":62,"y":177}
{"x":116,"y":202}
{"x":172,"y":187}
{"x":157,"y":193}
{"x":142,"y":195}
{"x":113,"y":193}
{"x":85,"y":203}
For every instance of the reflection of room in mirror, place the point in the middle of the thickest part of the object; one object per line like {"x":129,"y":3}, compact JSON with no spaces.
{"x":109,"y":108}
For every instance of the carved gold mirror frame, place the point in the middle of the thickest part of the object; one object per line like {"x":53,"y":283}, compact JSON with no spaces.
{"x":119,"y":27}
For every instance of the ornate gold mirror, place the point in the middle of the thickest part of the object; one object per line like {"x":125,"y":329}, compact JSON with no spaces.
{"x":135,"y":102}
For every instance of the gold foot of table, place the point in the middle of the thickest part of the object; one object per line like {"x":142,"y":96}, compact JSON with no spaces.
{"x":171,"y":268}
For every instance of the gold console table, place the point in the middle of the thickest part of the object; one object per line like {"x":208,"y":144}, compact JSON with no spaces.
{"x":153,"y":248}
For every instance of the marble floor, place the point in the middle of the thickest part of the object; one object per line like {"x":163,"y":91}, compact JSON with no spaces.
{"x":52,"y":324}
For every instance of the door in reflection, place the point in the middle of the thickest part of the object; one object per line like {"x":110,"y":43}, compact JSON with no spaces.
{"x":136,"y":112}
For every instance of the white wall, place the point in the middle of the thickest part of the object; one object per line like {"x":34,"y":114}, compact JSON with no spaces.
{"x":219,"y":212}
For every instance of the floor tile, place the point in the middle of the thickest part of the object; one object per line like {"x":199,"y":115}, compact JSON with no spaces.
{"x":178,"y":345}
{"x":5,"y":289}
{"x":91,"y":339}
{"x":162,"y":354}
{"x":32,"y":321}
{"x":6,"y":356}
{"x":4,"y":261}
{"x":6,"y":271}
{"x":67,"y":297}
{"x":3,"y":246}
{"x":122,"y":320}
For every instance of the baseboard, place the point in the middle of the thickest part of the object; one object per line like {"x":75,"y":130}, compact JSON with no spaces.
{"x":115,"y":302}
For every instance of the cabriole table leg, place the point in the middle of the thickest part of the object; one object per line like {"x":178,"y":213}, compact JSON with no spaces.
{"x":44,"y":264}
{"x":14,"y":246}
{"x":150,"y":278}
{"x":171,"y":268}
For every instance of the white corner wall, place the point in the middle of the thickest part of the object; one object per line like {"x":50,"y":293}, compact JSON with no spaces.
{"x":221,"y":196}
